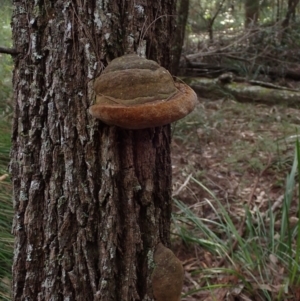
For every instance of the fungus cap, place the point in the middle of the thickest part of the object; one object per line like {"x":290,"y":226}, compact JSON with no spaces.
{"x":136,"y":93}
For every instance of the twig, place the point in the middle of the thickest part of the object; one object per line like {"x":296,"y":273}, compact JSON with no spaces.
{"x":241,"y":229}
{"x":272,"y":86}
{"x":3,"y":177}
{"x":11,"y":51}
{"x":209,"y":53}
{"x":183,"y":185}
{"x":276,"y":204}
{"x":144,"y":33}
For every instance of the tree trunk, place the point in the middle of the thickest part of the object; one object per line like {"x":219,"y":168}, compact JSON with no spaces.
{"x":251,"y":12}
{"x":91,"y":201}
{"x":182,"y":13}
{"x":211,"y":21}
{"x":291,"y":12}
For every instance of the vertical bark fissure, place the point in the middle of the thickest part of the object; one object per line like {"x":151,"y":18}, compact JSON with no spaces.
{"x":91,"y":201}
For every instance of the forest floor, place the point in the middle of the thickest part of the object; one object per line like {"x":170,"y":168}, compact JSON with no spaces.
{"x":241,"y":154}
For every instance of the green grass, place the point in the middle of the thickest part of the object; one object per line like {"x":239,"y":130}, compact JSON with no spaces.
{"x":265,"y":264}
{"x":6,"y":214}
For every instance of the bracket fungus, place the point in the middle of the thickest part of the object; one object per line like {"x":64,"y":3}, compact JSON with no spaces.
{"x":167,"y":276}
{"x":136,"y":93}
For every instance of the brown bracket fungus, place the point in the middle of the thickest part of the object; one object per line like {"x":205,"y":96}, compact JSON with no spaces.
{"x":167,"y":276}
{"x":136,"y":93}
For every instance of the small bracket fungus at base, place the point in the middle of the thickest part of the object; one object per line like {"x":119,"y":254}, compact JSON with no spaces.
{"x":167,"y":276}
{"x":136,"y":93}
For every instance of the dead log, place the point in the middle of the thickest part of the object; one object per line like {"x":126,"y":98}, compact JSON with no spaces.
{"x":291,"y":73}
{"x":189,"y":68}
{"x":244,"y":91}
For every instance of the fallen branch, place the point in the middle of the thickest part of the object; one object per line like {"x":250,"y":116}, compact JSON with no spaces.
{"x":244,"y":91}
{"x":10,"y":51}
{"x":182,"y":186}
{"x":189,"y":68}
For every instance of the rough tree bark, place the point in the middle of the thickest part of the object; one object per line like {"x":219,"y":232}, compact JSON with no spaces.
{"x":91,"y":201}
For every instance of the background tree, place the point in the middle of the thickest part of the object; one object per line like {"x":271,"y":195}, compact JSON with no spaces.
{"x":182,"y":16}
{"x":291,"y":12}
{"x":91,"y":201}
{"x":251,"y":12}
{"x":211,"y":20}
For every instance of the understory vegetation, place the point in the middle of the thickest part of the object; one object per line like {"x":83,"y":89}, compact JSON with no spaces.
{"x":219,"y":39}
{"x":6,"y":211}
{"x":236,"y":196}
{"x":235,"y":165}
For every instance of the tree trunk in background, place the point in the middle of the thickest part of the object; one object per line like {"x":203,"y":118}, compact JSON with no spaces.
{"x":182,"y":15}
{"x":278,"y":10}
{"x":211,"y":21}
{"x":251,"y":12}
{"x":91,"y":201}
{"x":292,"y":4}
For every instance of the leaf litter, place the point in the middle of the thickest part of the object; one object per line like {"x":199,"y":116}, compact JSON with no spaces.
{"x":242,"y":153}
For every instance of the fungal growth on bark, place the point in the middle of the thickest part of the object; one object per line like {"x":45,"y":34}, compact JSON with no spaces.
{"x":167,"y":276}
{"x":136,"y":93}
